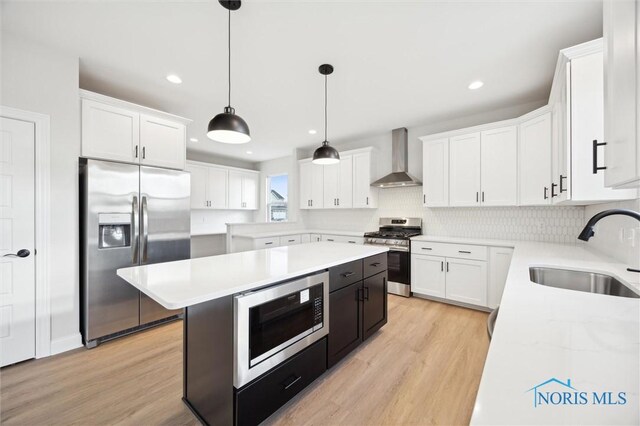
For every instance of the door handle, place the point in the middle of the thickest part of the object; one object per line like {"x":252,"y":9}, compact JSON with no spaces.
{"x":291,"y":381}
{"x":20,"y":253}
{"x":135,"y":221}
{"x":595,"y":156}
{"x":144,"y":224}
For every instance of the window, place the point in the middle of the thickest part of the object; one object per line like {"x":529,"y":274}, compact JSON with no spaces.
{"x":277,"y":198}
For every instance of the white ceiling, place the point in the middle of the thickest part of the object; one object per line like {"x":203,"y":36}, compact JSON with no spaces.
{"x":396,"y":63}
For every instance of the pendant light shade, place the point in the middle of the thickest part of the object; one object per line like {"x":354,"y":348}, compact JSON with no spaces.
{"x":227,"y":127}
{"x":325,"y":155}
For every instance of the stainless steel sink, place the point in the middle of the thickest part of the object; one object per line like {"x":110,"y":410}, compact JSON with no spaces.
{"x":580,"y":281}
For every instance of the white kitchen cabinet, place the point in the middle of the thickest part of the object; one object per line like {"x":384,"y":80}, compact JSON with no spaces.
{"x":260,"y":243}
{"x":535,"y":161}
{"x":290,"y":240}
{"x":121,"y":131}
{"x":499,"y":262}
{"x":338,"y":184}
{"x":311,"y":185}
{"x":305,"y":238}
{"x":243,"y":190}
{"x":466,"y":281}
{"x":435,"y":160}
{"x":209,"y":185}
{"x":315,"y":238}
{"x":365,"y":196}
{"x":499,"y":172}
{"x":110,"y":132}
{"x":464,"y":170}
{"x":163,"y":142}
{"x":428,"y":275}
{"x":621,"y":93}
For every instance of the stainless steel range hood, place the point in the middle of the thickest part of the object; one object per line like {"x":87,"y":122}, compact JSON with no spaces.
{"x":399,"y":163}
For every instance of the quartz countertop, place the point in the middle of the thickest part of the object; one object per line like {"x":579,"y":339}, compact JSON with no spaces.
{"x":545,"y":333}
{"x":184,"y":283}
{"x":299,"y":231}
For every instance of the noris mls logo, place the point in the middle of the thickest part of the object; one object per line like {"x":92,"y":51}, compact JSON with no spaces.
{"x":557,"y":392}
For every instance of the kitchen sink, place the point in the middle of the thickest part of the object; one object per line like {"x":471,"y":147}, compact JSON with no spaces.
{"x":589,"y":282}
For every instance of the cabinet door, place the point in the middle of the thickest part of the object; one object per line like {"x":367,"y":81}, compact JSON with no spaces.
{"x":560,"y":153}
{"x":622,"y":152}
{"x":345,"y":182}
{"x":427,"y":275}
{"x":535,"y":161}
{"x":364,"y":195}
{"x":109,"y":132}
{"x":464,"y":170}
{"x":250,"y":191}
{"x":435,"y":161}
{"x":199,"y":178}
{"x":317,"y":186}
{"x":305,"y":184}
{"x":163,"y":142}
{"x":466,"y":281}
{"x":499,"y":263}
{"x":331,"y":181}
{"x":217,"y":183}
{"x":499,"y":167}
{"x":374,"y":312}
{"x":235,"y":190}
{"x":345,"y":321}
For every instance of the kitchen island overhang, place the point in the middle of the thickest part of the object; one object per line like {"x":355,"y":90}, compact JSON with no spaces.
{"x":207,"y":288}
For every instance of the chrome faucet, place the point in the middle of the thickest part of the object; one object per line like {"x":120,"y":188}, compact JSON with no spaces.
{"x":588,"y":232}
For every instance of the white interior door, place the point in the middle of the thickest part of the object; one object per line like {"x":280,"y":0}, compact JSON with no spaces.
{"x":17,"y":234}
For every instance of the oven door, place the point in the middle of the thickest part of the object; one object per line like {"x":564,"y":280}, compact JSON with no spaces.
{"x":398,"y":266}
{"x":273,"y":324}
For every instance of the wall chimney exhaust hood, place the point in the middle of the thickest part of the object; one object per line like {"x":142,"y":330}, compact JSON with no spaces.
{"x":399,"y":163}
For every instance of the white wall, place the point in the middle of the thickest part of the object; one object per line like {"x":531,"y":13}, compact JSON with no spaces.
{"x":617,"y":236}
{"x":40,"y":79}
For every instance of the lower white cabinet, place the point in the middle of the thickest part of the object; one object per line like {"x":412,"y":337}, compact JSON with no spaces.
{"x":428,"y":275}
{"x":466,"y":281}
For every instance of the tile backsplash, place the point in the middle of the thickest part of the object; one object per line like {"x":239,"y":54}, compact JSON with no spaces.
{"x":549,"y":224}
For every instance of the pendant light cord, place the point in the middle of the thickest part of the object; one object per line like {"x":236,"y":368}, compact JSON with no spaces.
{"x":325,"y":108}
{"x":229,"y":48}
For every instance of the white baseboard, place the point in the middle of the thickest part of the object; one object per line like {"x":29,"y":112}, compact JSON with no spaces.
{"x":66,"y":343}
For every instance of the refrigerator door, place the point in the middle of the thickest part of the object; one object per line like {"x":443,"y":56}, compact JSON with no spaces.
{"x":109,"y":237}
{"x":165,"y":226}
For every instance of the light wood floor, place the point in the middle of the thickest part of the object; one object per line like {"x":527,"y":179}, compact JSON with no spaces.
{"x":422,"y":368}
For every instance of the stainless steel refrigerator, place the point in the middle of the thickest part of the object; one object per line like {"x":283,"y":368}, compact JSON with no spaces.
{"x":129,"y":215}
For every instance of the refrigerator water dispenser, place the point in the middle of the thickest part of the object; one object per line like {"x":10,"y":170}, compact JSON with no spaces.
{"x":115,"y":230}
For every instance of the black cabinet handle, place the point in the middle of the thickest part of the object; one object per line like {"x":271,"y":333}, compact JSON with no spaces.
{"x":441,"y":266}
{"x":595,"y":156}
{"x":545,"y":192}
{"x":144,"y":152}
{"x":447,"y":266}
{"x":366,"y":296}
{"x":553,"y":189}
{"x":562,"y":189}
{"x":291,"y":241}
{"x":367,"y":200}
{"x":329,"y":239}
{"x":476,"y":197}
{"x":375,"y":264}
{"x":347,"y":274}
{"x":291,"y":381}
{"x":424,"y":198}
{"x":427,"y":248}
{"x":483,"y":196}
{"x":464,"y":251}
{"x":351,"y":242}
{"x":360,"y":294}
{"x":270,"y":242}
{"x":136,"y":151}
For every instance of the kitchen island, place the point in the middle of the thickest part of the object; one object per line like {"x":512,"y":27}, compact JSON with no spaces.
{"x":257,"y":324}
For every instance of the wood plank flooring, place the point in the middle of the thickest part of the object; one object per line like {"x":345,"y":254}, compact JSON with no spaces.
{"x":423,"y":367}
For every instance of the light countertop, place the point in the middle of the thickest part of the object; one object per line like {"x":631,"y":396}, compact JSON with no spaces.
{"x":299,"y":231}
{"x":544,"y":333}
{"x":463,"y":240}
{"x":184,"y":283}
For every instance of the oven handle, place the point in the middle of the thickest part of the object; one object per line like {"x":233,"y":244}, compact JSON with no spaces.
{"x":397,"y":248}
{"x":288,"y":383}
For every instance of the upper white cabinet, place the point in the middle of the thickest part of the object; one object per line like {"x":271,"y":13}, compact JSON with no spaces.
{"x":343,"y":185}
{"x":243,"y":190}
{"x":110,"y":132}
{"x":621,"y":79}
{"x":464,"y":170}
{"x":120,"y":131}
{"x":535,"y":161}
{"x":498,"y":165}
{"x":163,"y":142}
{"x":218,"y":187}
{"x":435,"y":160}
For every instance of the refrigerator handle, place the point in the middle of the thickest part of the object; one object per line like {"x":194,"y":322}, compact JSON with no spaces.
{"x":144,"y":231}
{"x":135,"y":221}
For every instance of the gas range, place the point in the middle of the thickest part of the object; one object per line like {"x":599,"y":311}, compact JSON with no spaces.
{"x":395,"y":232}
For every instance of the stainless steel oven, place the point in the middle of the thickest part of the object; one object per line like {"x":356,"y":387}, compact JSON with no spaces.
{"x":275,"y":323}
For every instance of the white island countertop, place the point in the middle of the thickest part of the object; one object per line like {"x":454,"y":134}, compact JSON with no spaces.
{"x":183,"y":283}
{"x":548,"y":334}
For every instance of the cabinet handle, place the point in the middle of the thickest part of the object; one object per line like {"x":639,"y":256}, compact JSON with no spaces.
{"x":291,"y":241}
{"x":561,"y":187}
{"x":329,"y":239}
{"x":447,"y":266}
{"x":427,"y":248}
{"x":483,"y":196}
{"x":290,"y":382}
{"x":360,"y":295}
{"x":545,"y":193}
{"x":269,"y":243}
{"x":144,"y":152}
{"x":351,"y":242}
{"x":595,"y":156}
{"x":441,"y":266}
{"x":366,"y":296}
{"x":367,"y":200}
{"x":311,"y":203}
{"x":464,"y":251}
{"x":553,"y":189}
{"x":376,"y":264}
{"x":136,"y":151}
{"x":424,"y":198}
{"x":338,"y":201}
{"x":347,"y":274}
{"x":477,"y":197}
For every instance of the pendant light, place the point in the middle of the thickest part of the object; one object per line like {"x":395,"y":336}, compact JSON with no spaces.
{"x":227,"y":127}
{"x":325,"y":154}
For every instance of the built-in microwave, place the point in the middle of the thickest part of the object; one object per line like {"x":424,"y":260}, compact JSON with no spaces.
{"x":275,"y":323}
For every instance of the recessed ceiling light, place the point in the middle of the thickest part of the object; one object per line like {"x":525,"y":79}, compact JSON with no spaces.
{"x":249,"y":152}
{"x":312,"y":132}
{"x":174,"y":79}
{"x":193,"y":139}
{"x":476,"y":85}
